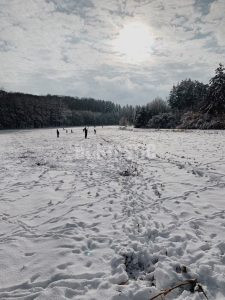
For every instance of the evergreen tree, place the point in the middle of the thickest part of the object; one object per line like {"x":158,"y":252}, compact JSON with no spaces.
{"x":187,"y":95}
{"x":142,"y":117}
{"x":215,"y":102}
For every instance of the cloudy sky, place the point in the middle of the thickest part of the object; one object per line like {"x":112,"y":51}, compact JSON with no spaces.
{"x":127,"y":51}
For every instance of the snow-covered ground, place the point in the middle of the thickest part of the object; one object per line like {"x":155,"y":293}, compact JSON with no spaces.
{"x":121,"y":215}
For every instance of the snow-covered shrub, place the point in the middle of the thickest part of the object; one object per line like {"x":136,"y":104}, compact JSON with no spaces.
{"x":164,"y":120}
{"x":196,"y":120}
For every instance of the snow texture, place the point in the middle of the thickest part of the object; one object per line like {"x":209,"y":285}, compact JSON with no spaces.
{"x":107,"y":218}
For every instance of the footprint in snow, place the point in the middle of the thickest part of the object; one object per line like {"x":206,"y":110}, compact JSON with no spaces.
{"x":34,"y":277}
{"x":64,"y":266}
{"x":29,"y":253}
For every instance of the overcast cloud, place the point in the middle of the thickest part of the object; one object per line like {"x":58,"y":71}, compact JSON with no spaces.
{"x":66,"y":46}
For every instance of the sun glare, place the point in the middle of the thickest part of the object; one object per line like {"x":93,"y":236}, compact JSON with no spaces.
{"x":134,"y":42}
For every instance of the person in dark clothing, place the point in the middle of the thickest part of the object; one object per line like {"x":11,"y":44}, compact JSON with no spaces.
{"x":71,"y":131}
{"x":94,"y":131}
{"x":85,"y":132}
{"x":57,"y":132}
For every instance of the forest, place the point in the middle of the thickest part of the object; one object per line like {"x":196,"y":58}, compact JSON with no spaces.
{"x":19,"y":110}
{"x":190,"y":105}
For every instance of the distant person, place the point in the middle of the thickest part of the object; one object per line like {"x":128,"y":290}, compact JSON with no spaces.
{"x":66,"y":131}
{"x":85,"y":132}
{"x":94,"y":131}
{"x":71,"y":131}
{"x":57,"y":132}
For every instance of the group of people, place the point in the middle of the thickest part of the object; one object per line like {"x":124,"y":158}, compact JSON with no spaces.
{"x":85,"y":130}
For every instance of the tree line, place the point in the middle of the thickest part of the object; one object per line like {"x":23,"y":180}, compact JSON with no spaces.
{"x":19,"y":110}
{"x":190,"y":105}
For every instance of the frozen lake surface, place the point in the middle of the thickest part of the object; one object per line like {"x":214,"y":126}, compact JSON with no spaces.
{"x":121,"y":215}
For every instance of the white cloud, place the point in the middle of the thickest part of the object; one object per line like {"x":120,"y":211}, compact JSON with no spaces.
{"x":52,"y":46}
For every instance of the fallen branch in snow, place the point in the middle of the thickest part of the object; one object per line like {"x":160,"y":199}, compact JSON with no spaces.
{"x":192,"y":282}
{"x":200,"y":290}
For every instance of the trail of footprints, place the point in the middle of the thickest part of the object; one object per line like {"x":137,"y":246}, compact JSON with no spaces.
{"x":135,"y":210}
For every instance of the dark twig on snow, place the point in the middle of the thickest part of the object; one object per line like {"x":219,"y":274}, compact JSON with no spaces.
{"x":200,"y":290}
{"x":192,"y":282}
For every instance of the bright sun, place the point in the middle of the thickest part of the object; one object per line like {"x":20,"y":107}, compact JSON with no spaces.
{"x":134,"y":42}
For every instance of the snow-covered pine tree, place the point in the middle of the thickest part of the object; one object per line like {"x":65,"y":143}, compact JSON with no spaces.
{"x":215,"y":103}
